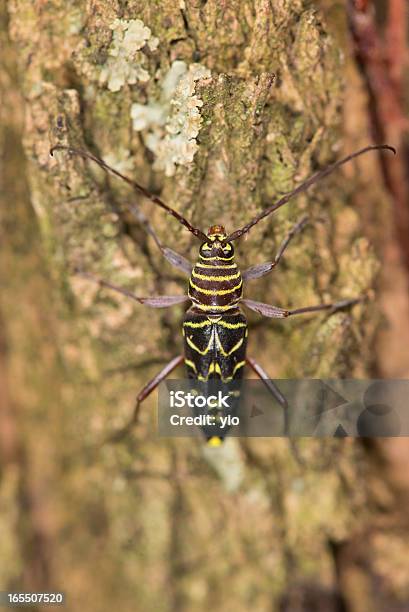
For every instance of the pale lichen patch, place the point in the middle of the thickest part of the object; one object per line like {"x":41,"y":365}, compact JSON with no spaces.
{"x":125,"y":63}
{"x":173,"y":122}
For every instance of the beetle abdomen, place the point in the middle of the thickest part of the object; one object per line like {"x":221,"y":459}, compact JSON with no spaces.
{"x":215,"y":345}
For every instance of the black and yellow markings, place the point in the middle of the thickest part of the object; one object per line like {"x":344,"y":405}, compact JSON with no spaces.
{"x":207,"y":349}
{"x":237,"y":367}
{"x":215,"y":345}
{"x":219,"y":237}
{"x":216,"y":258}
{"x":216,"y":267}
{"x":198,"y":325}
{"x":215,"y":331}
{"x":191,"y":364}
{"x":215,"y":291}
{"x":210,"y":321}
{"x":214,"y":368}
{"x":232,"y":350}
{"x":228,"y":325}
{"x":213,"y":307}
{"x":218,"y":279}
{"x":220,"y":288}
{"x":214,"y":342}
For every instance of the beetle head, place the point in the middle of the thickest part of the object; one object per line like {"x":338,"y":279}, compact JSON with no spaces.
{"x":216,"y":245}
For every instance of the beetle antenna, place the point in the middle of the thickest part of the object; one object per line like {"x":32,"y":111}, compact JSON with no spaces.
{"x":153,"y":198}
{"x":315,"y":178}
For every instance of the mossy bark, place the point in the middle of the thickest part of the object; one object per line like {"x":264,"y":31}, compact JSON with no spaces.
{"x":149,"y":524}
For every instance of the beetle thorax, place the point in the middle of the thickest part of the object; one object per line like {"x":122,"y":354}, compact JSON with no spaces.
{"x":215,"y":284}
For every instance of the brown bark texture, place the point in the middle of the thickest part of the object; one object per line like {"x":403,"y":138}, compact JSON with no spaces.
{"x":270,"y":94}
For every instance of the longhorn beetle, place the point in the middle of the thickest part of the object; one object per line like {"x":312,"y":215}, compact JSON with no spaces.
{"x":215,"y":328}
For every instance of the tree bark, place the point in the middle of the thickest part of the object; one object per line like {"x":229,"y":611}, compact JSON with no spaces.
{"x":149,"y":523}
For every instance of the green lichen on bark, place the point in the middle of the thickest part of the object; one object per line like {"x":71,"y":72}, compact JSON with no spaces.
{"x":140,"y":514}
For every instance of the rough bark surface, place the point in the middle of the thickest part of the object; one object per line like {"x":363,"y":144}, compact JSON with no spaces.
{"x":151,"y":524}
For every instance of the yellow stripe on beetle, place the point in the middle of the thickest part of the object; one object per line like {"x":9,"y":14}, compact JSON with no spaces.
{"x":214,"y":368}
{"x":198,"y":325}
{"x":218,"y":279}
{"x":206,"y":307}
{"x":216,"y":258}
{"x":197,"y":349}
{"x":232,"y":350}
{"x":191,"y":365}
{"x":231,"y":325}
{"x":216,"y":267}
{"x":217,"y":321}
{"x":216,"y":291}
{"x":236,"y":367}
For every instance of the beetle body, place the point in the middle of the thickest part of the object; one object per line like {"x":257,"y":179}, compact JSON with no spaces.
{"x":214,"y":328}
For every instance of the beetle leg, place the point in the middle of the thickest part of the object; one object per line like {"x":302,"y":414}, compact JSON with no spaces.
{"x":332,"y":306}
{"x":262,"y":269}
{"x":143,"y":394}
{"x":266,"y":310}
{"x":274,"y":390}
{"x":176,"y":260}
{"x":160,"y":301}
{"x":279,"y":397}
